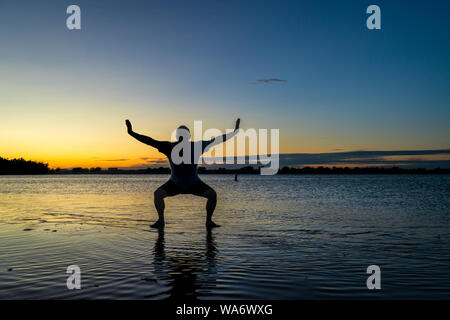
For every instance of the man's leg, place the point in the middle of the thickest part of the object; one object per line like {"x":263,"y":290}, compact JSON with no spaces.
{"x":168,"y":189}
{"x":211,"y":195}
{"x":159,"y":196}
{"x":203,"y":190}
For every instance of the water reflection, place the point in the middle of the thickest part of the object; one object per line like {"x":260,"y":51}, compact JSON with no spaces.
{"x":180,"y":269}
{"x":284,"y":237}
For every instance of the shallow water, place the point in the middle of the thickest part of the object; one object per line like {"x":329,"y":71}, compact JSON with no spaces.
{"x":282,"y":237}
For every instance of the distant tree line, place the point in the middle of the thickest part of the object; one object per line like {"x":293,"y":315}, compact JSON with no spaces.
{"x":21,"y":166}
{"x":256,"y":170}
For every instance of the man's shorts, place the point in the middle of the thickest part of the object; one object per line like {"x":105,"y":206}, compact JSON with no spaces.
{"x":172,"y":189}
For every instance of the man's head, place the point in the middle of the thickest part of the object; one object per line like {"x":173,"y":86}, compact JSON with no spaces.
{"x":183,"y":131}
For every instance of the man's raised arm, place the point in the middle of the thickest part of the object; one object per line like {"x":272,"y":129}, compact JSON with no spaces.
{"x":220,"y":139}
{"x":144,"y":139}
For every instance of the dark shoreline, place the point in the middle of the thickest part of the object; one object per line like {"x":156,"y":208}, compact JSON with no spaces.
{"x":27,"y":167}
{"x":245,"y":170}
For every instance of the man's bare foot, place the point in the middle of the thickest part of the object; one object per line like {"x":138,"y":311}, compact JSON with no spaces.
{"x":211,"y":224}
{"x":158,"y":224}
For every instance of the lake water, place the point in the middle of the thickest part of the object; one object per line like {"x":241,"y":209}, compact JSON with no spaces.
{"x":282,"y":237}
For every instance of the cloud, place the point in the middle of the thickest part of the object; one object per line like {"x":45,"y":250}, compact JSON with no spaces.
{"x":149,"y":162}
{"x":158,"y":161}
{"x":270,"y":80}
{"x":407,"y":159}
{"x":429,"y":159}
{"x":114,"y":160}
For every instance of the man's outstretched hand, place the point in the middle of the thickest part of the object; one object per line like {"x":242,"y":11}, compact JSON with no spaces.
{"x":238,"y":121}
{"x":129,"y":127}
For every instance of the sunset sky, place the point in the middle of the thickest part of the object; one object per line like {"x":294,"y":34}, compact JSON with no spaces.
{"x":64,"y":95}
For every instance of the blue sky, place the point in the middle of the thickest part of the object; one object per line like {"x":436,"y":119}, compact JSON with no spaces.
{"x":169,"y":62}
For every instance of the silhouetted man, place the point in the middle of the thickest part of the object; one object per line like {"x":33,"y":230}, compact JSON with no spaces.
{"x":184,"y":177}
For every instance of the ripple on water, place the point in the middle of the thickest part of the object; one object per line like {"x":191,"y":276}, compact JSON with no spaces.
{"x":284,"y":237}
